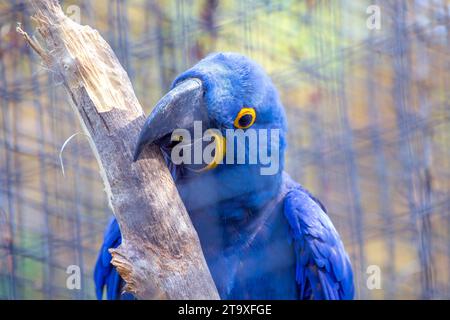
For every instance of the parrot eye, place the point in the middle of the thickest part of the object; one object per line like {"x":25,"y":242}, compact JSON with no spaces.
{"x":245,"y":118}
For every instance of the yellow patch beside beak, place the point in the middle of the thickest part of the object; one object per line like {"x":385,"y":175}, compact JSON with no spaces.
{"x":220,"y":150}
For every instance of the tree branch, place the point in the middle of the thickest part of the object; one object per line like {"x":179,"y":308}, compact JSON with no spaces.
{"x":160,"y":255}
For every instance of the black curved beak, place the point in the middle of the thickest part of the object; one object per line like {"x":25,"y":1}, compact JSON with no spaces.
{"x":178,"y":109}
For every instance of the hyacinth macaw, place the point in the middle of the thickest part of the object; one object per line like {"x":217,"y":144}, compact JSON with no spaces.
{"x":263,"y":236}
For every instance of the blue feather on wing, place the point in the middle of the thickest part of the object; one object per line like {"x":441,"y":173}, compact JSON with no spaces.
{"x":323,"y":267}
{"x":105,"y":275}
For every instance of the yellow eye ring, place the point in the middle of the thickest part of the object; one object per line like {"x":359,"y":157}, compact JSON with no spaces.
{"x":245,"y":118}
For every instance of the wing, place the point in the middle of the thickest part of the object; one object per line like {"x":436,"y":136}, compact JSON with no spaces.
{"x":104,"y":273}
{"x":323,"y":267}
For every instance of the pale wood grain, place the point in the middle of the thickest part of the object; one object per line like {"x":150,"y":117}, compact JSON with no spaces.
{"x":160,"y":256}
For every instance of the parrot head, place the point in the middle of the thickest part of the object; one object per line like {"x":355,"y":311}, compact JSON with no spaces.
{"x":224,"y":93}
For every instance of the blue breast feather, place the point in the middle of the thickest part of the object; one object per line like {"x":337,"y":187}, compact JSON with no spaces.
{"x":323,"y":269}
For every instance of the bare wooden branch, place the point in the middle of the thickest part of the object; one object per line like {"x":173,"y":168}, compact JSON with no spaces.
{"x":160,"y":255}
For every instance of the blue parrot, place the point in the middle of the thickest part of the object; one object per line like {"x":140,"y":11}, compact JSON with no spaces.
{"x":263,"y":235}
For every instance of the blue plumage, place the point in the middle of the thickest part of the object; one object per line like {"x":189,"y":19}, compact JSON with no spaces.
{"x":263,"y":236}
{"x":104,"y":273}
{"x":323,"y":269}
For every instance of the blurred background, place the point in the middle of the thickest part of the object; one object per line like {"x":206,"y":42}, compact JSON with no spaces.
{"x":368,"y":108}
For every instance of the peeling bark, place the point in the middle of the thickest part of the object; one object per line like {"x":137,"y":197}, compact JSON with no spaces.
{"x":160,"y":255}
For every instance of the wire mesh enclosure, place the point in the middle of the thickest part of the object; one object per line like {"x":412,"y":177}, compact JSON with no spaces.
{"x":369,"y":129}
